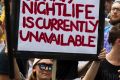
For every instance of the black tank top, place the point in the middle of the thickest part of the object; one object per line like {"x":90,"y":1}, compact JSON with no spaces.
{"x":107,"y":71}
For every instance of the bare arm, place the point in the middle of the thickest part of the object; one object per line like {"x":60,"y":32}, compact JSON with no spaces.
{"x":92,"y":71}
{"x":16,"y":70}
{"x":18,"y":75}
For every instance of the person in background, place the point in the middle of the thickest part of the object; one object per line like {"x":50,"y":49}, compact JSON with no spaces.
{"x":109,"y":17}
{"x":108,"y":4}
{"x":42,"y":69}
{"x":109,"y":69}
{"x":114,"y":18}
{"x":2,"y":25}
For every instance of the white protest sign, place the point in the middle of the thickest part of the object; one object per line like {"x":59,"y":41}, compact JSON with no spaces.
{"x":67,"y":26}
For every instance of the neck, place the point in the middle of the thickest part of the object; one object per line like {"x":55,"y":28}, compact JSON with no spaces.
{"x":42,"y":79}
{"x":114,"y":56}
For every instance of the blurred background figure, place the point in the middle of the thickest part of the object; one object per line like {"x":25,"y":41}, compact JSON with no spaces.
{"x":114,"y":18}
{"x":108,"y":4}
{"x":2,"y":25}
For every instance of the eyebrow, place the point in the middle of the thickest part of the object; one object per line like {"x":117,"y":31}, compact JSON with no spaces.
{"x":45,"y":63}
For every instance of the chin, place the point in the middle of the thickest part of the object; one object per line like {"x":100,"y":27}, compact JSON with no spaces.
{"x":46,"y":77}
{"x":114,"y":21}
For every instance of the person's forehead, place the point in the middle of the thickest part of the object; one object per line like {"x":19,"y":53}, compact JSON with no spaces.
{"x":47,"y":61}
{"x":108,"y":0}
{"x":117,"y":5}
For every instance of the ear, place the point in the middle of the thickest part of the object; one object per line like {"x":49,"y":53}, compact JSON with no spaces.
{"x":118,"y":41}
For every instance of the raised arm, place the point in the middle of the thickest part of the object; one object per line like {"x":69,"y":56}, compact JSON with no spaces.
{"x":92,"y":71}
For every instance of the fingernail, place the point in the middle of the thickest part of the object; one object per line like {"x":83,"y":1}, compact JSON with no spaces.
{"x":118,"y":70}
{"x":119,"y":76}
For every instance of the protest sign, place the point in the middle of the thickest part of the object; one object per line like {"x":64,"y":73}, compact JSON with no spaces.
{"x":60,"y":26}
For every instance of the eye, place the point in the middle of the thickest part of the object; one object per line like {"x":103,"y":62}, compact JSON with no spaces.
{"x":50,"y":68}
{"x":42,"y":67}
{"x":117,"y":9}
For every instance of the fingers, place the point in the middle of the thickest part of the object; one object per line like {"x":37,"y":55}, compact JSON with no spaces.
{"x":119,"y":71}
{"x":103,"y":50}
{"x":102,"y":55}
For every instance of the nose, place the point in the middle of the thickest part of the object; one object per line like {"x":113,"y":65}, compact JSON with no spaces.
{"x":46,"y":68}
